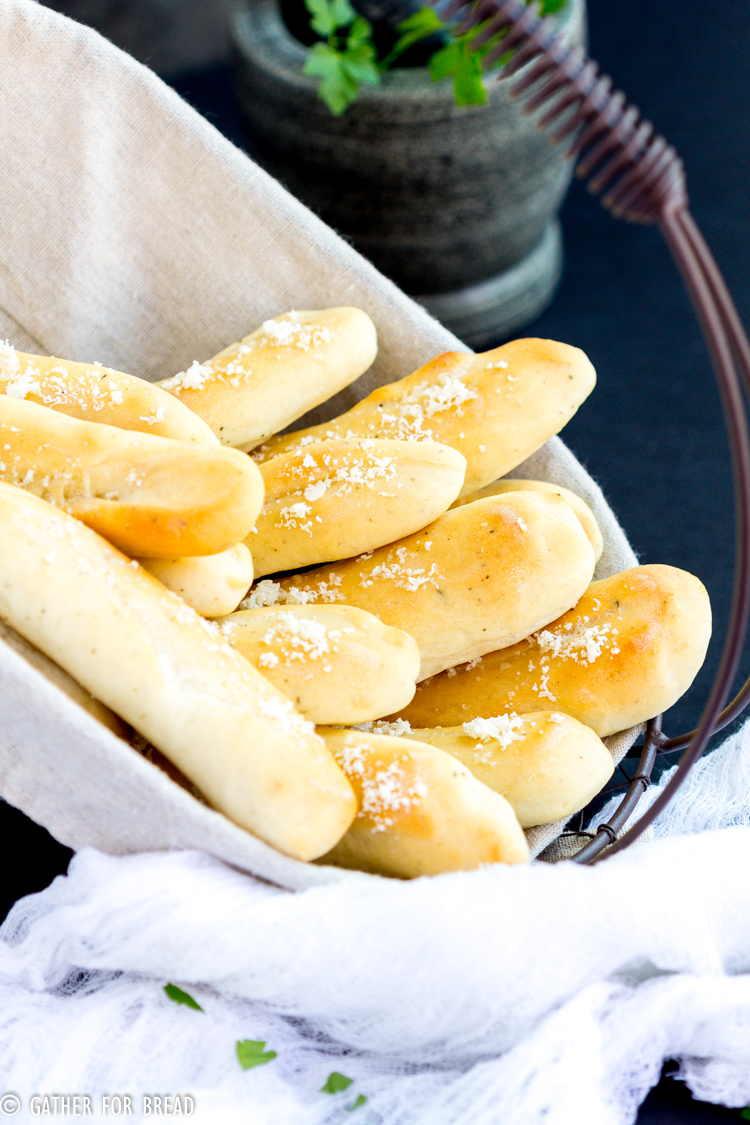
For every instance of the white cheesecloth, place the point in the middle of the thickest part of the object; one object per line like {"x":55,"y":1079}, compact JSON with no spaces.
{"x":504,"y":996}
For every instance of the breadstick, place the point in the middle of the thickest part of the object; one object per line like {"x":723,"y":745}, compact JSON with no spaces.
{"x":62,"y":680}
{"x":420,"y":811}
{"x":336,"y":663}
{"x":99,"y":394}
{"x":496,"y":408}
{"x":339,"y":498}
{"x":546,"y":764}
{"x":212,"y":584}
{"x":579,"y":506}
{"x":141,"y":651}
{"x":267,"y":380}
{"x":148,"y":495}
{"x":475,"y":578}
{"x":628,"y":651}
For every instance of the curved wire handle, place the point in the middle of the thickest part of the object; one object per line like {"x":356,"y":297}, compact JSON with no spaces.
{"x":643,"y":180}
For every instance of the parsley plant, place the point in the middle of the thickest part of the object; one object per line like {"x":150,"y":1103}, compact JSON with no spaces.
{"x":348,"y":58}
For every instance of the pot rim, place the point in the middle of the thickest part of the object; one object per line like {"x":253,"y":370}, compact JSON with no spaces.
{"x":257,"y":28}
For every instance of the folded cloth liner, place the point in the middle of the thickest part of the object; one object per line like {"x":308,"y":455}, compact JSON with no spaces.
{"x":135,"y":235}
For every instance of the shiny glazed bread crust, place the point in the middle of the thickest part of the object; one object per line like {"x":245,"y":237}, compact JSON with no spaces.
{"x":547,"y":765}
{"x":627,"y":651}
{"x":142,"y":652}
{"x":496,"y":408}
{"x":150,"y":496}
{"x":264,"y":382}
{"x":468,"y":583}
{"x":421,"y":812}
{"x":336,"y":663}
{"x":95,"y":393}
{"x":339,"y":498}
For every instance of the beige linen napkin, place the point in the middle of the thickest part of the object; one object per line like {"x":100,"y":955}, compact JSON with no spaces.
{"x":135,"y":235}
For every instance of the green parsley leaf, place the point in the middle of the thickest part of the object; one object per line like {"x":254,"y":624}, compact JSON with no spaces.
{"x":342,"y":72}
{"x":180,"y":997}
{"x":329,"y":15}
{"x":361,"y":1100}
{"x":335,"y":1083}
{"x":321,"y":21}
{"x":468,"y":87}
{"x":421,"y":23}
{"x":360,"y":32}
{"x":252,"y":1052}
{"x":417,"y":27}
{"x":458,"y":61}
{"x":337,"y":88}
{"x":359,"y":63}
{"x":745,"y":1115}
{"x":343,"y":12}
{"x":444,"y":62}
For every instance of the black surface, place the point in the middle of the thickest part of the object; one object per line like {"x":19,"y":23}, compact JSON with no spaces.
{"x":670,"y":1103}
{"x":652,"y":433}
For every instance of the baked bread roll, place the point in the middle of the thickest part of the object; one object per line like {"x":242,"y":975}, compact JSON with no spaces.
{"x":338,"y":498}
{"x":56,"y":675}
{"x":496,"y":408}
{"x":267,"y":380}
{"x":630,"y":648}
{"x":213,"y":585}
{"x":546,"y":764}
{"x":336,"y":663}
{"x":579,"y":506}
{"x":475,"y":578}
{"x":420,"y":811}
{"x":151,"y":659}
{"x":99,"y":394}
{"x":148,"y":495}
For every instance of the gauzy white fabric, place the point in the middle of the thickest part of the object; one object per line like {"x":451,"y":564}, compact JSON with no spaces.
{"x":515,"y":995}
{"x":134,"y":234}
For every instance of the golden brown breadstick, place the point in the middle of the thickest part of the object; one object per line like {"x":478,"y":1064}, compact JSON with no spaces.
{"x":630,"y":648}
{"x":213,"y":585}
{"x":267,"y":380}
{"x":148,"y":495}
{"x":500,"y":568}
{"x":420,"y":811}
{"x":546,"y":764}
{"x":339,"y":498}
{"x":62,"y":680}
{"x":579,"y":506}
{"x":154,"y":661}
{"x":336,"y":663}
{"x":99,"y":394}
{"x":496,"y":408}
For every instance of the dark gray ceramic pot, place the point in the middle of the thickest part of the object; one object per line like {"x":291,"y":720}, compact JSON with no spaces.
{"x":458,"y":206}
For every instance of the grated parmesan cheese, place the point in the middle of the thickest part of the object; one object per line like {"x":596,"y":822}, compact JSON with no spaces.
{"x":386,"y":789}
{"x":265,"y":593}
{"x":502,"y":729}
{"x":291,"y":334}
{"x":583,"y":644}
{"x":191,"y":380}
{"x":382,"y":726}
{"x":301,"y":638}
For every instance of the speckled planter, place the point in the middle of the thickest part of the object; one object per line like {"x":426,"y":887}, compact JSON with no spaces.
{"x":456,"y":205}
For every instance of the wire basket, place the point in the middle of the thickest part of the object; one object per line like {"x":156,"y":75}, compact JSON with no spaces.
{"x":639,"y":177}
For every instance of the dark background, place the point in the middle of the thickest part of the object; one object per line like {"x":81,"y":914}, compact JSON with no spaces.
{"x":652,"y":435}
